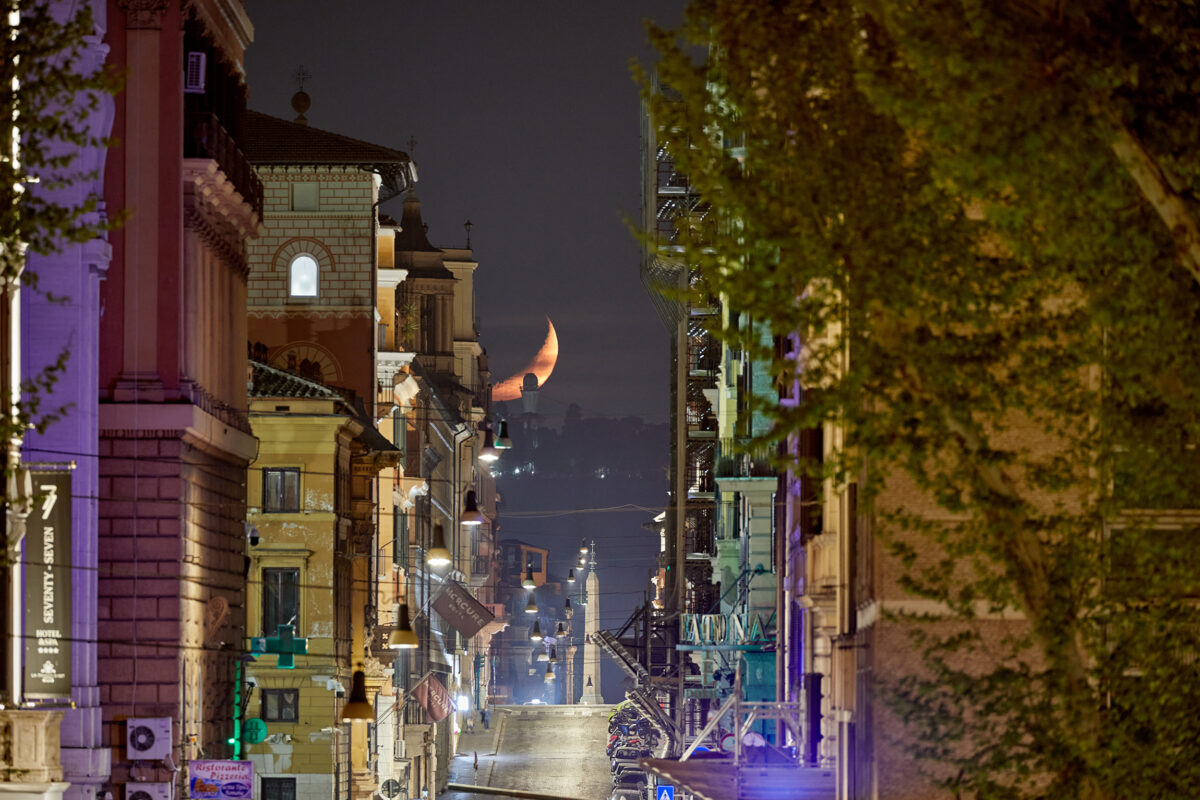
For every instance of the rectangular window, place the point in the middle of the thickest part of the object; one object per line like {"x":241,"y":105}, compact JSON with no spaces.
{"x":278,"y":789}
{"x":280,"y":705}
{"x":281,"y":490}
{"x":280,"y":599}
{"x":304,"y":197}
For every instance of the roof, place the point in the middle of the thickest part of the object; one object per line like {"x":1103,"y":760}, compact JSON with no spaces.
{"x":268,"y":381}
{"x":270,"y":140}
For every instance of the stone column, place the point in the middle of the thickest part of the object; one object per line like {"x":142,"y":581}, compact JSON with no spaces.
{"x":591,"y":651}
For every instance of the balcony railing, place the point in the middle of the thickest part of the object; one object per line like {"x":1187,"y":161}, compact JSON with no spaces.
{"x":205,"y":137}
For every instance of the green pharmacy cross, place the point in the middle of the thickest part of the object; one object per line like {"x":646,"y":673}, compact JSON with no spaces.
{"x":285,"y":643}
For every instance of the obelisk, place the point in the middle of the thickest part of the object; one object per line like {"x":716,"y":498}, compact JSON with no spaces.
{"x":591,"y":626}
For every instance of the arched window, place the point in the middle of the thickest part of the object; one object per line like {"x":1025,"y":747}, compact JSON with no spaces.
{"x":302,"y":275}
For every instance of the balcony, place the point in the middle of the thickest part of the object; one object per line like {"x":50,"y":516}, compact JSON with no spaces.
{"x":205,"y":137}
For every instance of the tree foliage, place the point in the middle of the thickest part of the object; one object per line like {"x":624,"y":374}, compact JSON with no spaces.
{"x":46,"y":101}
{"x":978,"y":219}
{"x":49,"y":96}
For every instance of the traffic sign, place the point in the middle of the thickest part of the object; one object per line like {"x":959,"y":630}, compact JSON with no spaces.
{"x":664,"y":792}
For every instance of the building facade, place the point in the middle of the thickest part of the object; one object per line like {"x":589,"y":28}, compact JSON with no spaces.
{"x":173,"y":436}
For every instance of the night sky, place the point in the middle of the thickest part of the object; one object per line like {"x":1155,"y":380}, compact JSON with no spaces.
{"x":526,"y":122}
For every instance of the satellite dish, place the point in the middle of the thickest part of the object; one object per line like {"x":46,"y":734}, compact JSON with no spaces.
{"x":255,"y":731}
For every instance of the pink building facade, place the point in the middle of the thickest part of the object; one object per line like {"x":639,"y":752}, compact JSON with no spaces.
{"x":173,"y":435}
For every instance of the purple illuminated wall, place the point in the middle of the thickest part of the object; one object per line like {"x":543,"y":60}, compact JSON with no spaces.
{"x":47,"y":328}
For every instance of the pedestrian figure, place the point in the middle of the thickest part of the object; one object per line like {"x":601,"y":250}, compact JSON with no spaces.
{"x":486,"y":718}
{"x":476,"y":766}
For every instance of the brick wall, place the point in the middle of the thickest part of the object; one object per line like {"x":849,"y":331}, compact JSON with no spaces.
{"x":171,"y":539}
{"x":339,"y":235}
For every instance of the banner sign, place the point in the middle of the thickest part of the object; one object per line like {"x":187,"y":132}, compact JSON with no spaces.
{"x":460,"y":609}
{"x":47,"y":573}
{"x":432,"y":696}
{"x":221,"y":780}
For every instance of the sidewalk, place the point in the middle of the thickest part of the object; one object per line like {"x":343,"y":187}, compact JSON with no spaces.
{"x":462,"y":768}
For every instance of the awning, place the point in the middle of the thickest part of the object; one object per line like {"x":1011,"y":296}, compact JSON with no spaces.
{"x":714,"y":779}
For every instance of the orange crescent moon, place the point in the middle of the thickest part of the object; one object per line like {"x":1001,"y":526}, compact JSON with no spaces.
{"x":542,"y":365}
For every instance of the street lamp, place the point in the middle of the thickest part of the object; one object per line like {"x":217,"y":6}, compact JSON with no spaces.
{"x":535,"y":634}
{"x":403,"y":637}
{"x":571,"y":575}
{"x":357,"y":708}
{"x":549,"y":674}
{"x":471,"y":515}
{"x":529,"y":584}
{"x":439,"y":554}
{"x":489,"y":452}
{"x":531,"y":606}
{"x":583,"y":547}
{"x":502,"y":440}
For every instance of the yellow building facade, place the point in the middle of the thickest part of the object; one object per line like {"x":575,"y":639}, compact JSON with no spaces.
{"x":309,"y":504}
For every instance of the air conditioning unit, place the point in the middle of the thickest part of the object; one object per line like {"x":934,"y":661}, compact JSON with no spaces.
{"x":193,"y":78}
{"x":148,"y":791}
{"x":148,"y":739}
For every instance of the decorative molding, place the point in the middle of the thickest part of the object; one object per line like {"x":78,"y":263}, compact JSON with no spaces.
{"x":143,"y":14}
{"x":218,"y":213}
{"x":316,"y":312}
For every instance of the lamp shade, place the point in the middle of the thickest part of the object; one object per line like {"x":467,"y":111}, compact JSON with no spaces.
{"x":535,"y":633}
{"x":471,"y":515}
{"x":567,"y":605}
{"x":403,"y":637}
{"x":488,"y":453}
{"x":529,"y":583}
{"x":553,"y":655}
{"x":502,"y":440}
{"x":531,"y":606}
{"x":583,"y":546}
{"x":549,"y":673}
{"x":357,"y":709}
{"x":541,"y":656}
{"x":439,"y":554}
{"x":571,"y":575}
{"x":561,"y":630}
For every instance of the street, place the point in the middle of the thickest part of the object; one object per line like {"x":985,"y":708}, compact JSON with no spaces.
{"x":557,"y":750}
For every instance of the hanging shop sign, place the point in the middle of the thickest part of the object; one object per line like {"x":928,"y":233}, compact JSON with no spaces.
{"x":47,"y":572}
{"x":220,"y":780}
{"x":460,"y":609}
{"x":432,"y":696}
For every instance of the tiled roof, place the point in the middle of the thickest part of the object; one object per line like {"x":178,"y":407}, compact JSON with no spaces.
{"x":270,"y":382}
{"x":270,"y":140}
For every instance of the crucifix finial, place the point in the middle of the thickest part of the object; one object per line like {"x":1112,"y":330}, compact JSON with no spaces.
{"x":301,"y":75}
